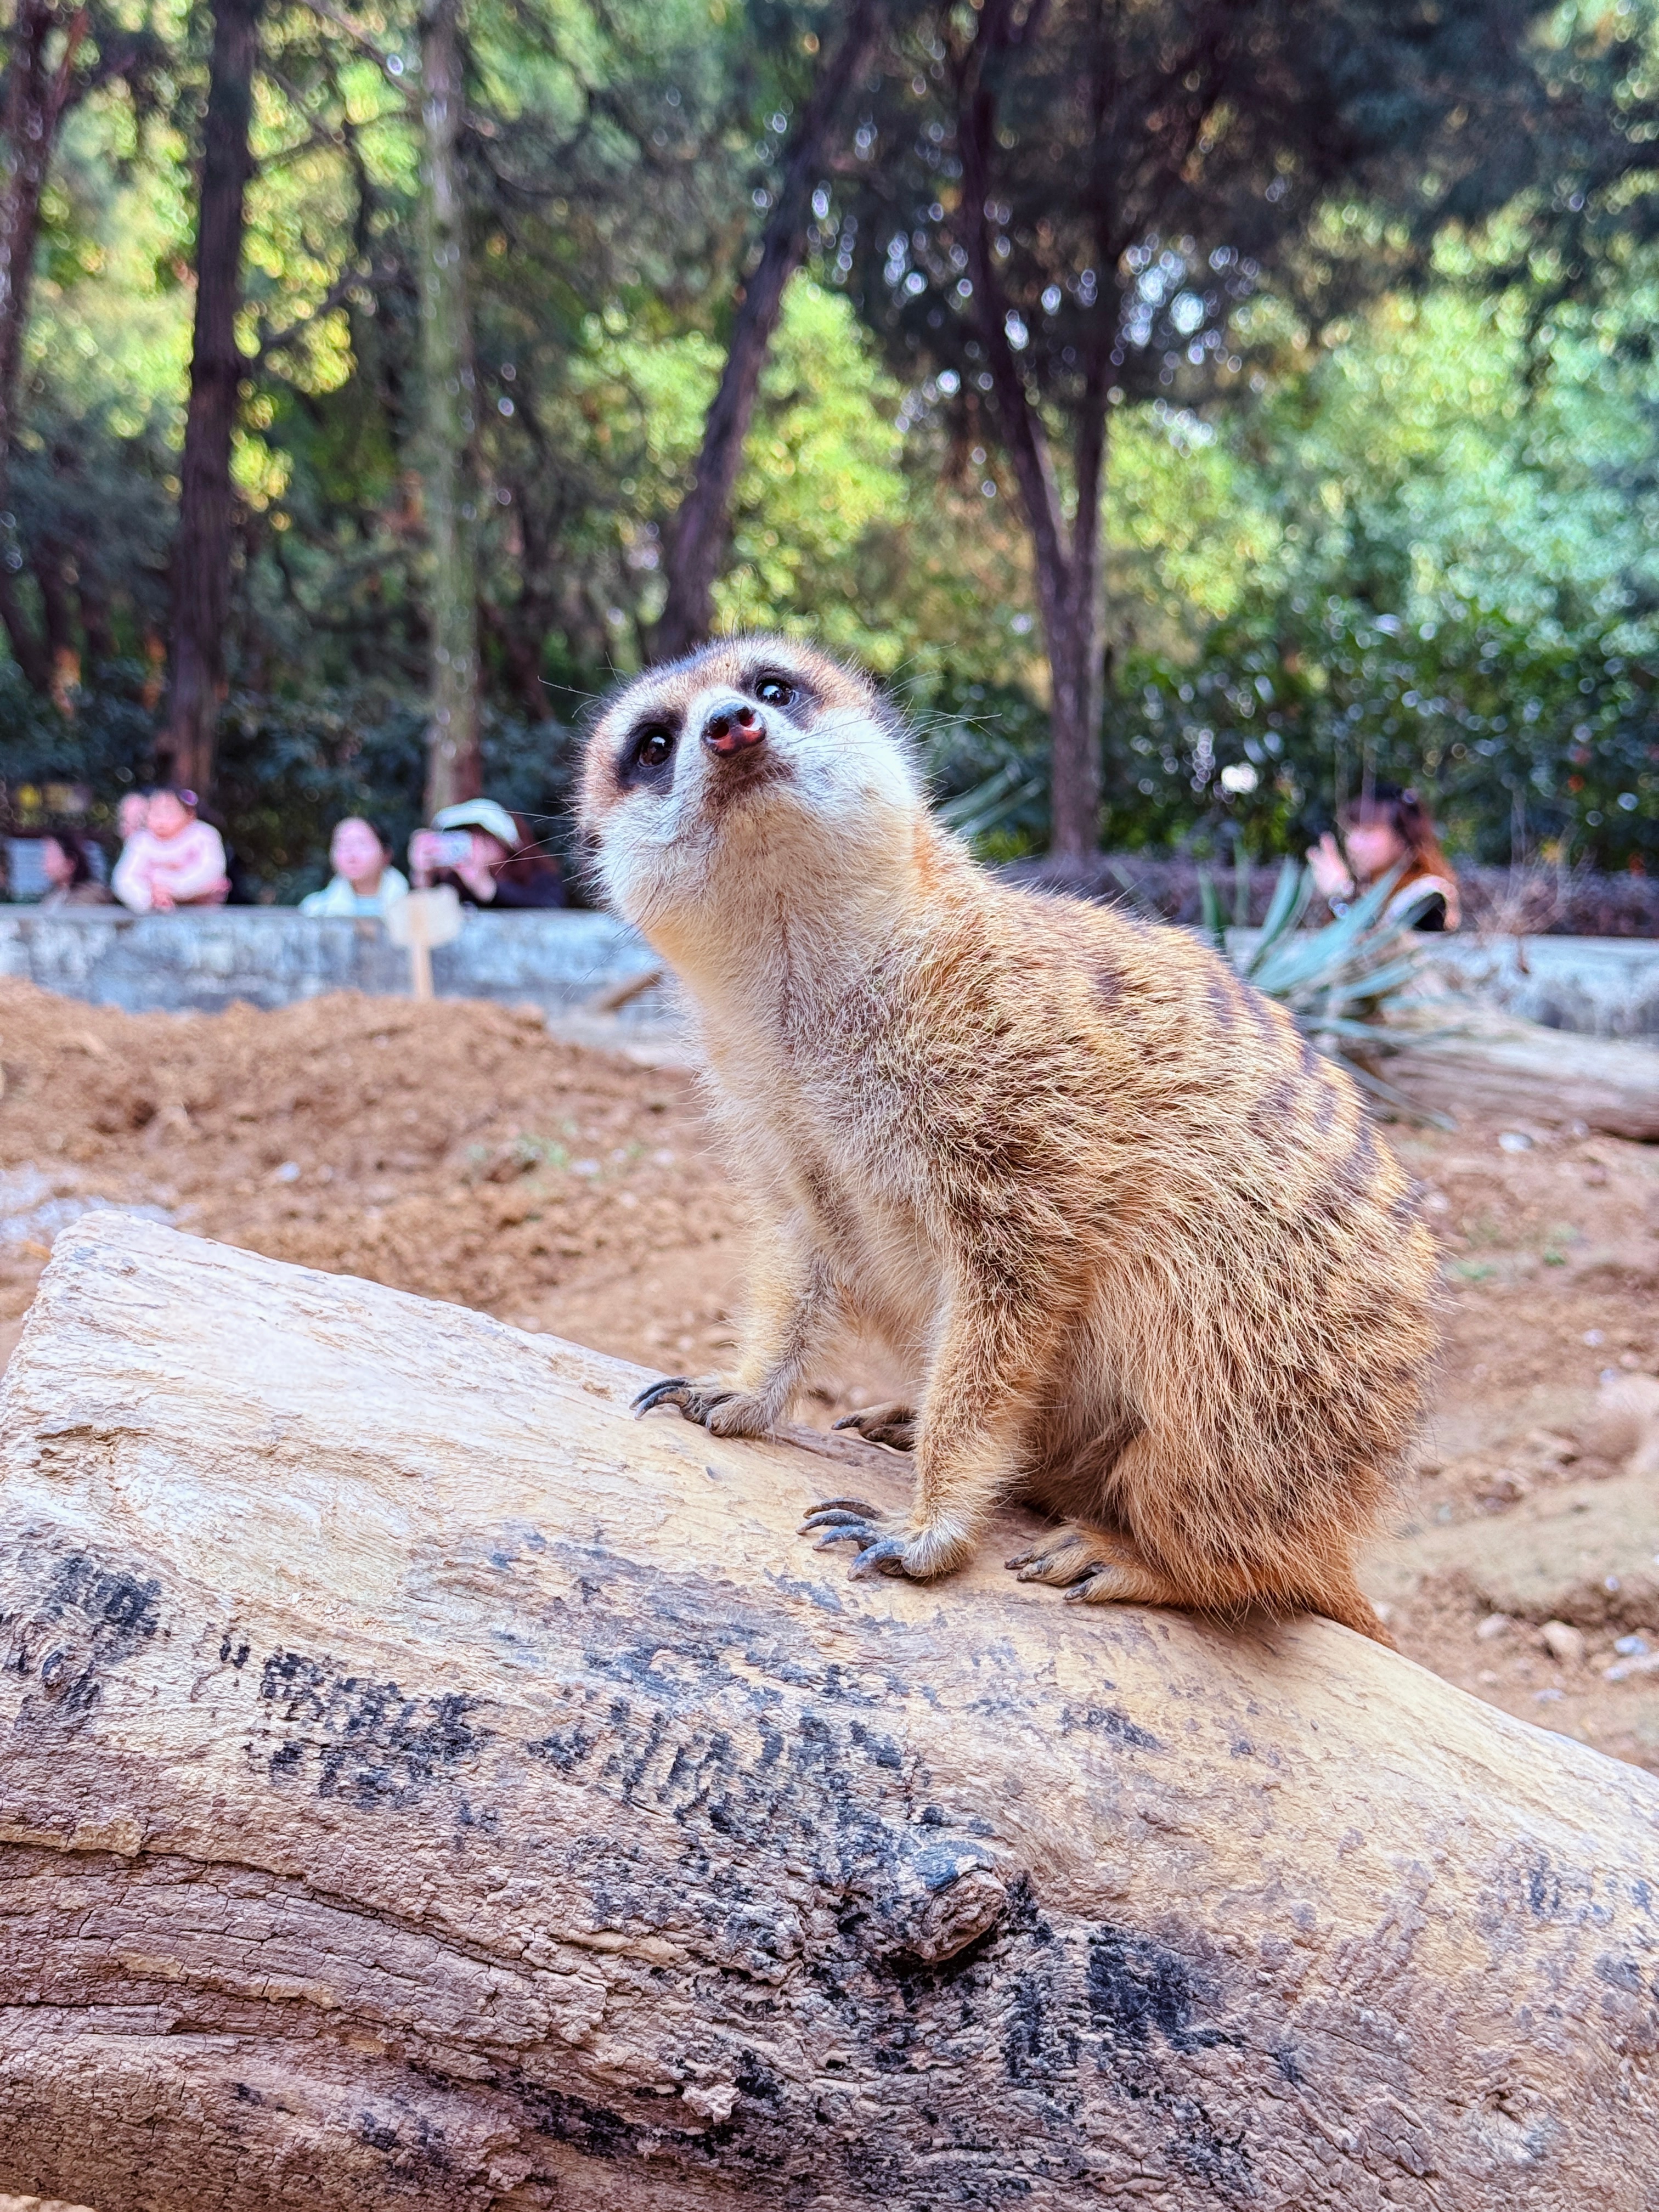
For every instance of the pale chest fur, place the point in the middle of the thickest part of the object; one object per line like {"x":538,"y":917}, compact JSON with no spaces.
{"x":833,"y":1130}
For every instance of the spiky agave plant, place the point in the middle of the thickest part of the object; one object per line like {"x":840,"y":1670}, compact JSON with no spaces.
{"x":1337,"y":982}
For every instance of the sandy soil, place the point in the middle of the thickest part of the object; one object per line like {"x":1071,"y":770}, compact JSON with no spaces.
{"x":460,"y":1151}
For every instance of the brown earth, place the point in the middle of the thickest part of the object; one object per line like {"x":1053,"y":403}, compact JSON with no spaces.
{"x":460,"y":1151}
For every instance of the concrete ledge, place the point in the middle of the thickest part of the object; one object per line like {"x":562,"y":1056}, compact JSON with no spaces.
{"x":1606,"y":986}
{"x":270,"y":956}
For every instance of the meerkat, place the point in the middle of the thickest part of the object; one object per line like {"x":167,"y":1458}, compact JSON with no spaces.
{"x":1151,"y":1265}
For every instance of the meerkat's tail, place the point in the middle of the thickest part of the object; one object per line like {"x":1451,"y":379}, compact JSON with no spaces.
{"x":1342,"y":1600}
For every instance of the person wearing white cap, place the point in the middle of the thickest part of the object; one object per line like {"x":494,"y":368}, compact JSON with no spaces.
{"x":497,"y":867}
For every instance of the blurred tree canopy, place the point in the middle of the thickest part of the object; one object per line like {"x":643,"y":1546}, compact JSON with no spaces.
{"x":1410,"y":533}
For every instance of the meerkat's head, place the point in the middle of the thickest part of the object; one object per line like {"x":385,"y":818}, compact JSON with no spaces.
{"x":756,"y":765}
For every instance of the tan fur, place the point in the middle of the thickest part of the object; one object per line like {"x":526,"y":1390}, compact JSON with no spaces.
{"x":1151,"y":1265}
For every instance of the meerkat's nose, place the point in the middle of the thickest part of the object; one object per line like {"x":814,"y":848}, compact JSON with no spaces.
{"x":733,"y":728}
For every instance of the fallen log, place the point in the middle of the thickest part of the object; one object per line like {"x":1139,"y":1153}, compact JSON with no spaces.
{"x":1493,"y":1065}
{"x":426,"y":1786}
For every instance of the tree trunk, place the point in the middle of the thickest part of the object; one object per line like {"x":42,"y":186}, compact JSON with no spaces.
{"x":453,"y":769}
{"x":202,"y":557}
{"x":37,"y":94}
{"x":696,"y":538}
{"x":1067,"y":556}
{"x":426,"y":1786}
{"x":1075,"y":648}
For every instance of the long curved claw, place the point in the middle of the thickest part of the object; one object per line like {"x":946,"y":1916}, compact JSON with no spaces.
{"x":656,"y":1394}
{"x":830,"y":1509}
{"x":844,"y":1528}
{"x":884,"y":1556}
{"x":881,"y":1547}
{"x":1093,"y":1588}
{"x":1061,"y":1563}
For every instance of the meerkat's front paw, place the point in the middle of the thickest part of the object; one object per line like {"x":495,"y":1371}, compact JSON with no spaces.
{"x":893,"y":1425}
{"x":717,"y":1406}
{"x":885,"y":1547}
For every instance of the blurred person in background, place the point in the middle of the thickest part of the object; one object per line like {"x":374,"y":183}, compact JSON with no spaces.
{"x":364,"y":881}
{"x":500,"y":866}
{"x":174,"y":860}
{"x":70,"y":880}
{"x":1382,"y":830}
{"x":131,"y":815}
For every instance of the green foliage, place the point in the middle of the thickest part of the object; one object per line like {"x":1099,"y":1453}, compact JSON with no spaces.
{"x":1450,"y":580}
{"x":1428,"y":556}
{"x":1418,"y":542}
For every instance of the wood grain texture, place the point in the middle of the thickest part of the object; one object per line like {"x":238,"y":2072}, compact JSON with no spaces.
{"x":425,"y":1786}
{"x":1491,"y":1064}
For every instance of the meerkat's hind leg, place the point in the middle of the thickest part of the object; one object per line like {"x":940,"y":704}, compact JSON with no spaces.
{"x":893,"y":1425}
{"x":1096,"y":1569}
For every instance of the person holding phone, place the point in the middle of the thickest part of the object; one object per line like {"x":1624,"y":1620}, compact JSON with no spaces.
{"x":1385,"y":829}
{"x":489,"y":855}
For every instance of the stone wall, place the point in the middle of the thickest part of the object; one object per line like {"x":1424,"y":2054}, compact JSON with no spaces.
{"x":200,"y":961}
{"x":1606,"y":986}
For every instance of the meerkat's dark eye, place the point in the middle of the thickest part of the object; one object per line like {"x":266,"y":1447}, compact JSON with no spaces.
{"x":646,"y":757}
{"x":773,"y":691}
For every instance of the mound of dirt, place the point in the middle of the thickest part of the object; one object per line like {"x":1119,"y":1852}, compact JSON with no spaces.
{"x":453,"y":1149}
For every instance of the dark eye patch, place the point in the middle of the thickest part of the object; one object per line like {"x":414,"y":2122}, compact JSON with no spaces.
{"x":646,"y":759}
{"x":774,"y":687}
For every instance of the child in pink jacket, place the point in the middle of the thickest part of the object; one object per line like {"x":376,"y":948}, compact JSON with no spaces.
{"x":174,"y":860}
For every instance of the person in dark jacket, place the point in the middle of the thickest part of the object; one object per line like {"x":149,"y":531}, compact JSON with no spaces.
{"x":502,"y":868}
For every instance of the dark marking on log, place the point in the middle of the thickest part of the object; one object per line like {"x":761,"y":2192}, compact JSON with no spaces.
{"x":1137,"y":1984}
{"x":110,"y":1598}
{"x":566,"y":1751}
{"x":414,"y":2143}
{"x":1622,"y":1974}
{"x":879,"y":1750}
{"x":594,"y":2129}
{"x":1112,"y":1721}
{"x":756,"y":2079}
{"x":1204,"y":2154}
{"x":374,"y":1746}
{"x":85,"y":1616}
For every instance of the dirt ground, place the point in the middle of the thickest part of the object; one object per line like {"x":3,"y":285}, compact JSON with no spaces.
{"x":460,"y":1151}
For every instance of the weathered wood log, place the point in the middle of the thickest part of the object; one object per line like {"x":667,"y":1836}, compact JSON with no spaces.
{"x":1494,"y":1065}
{"x":425,"y":1786}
